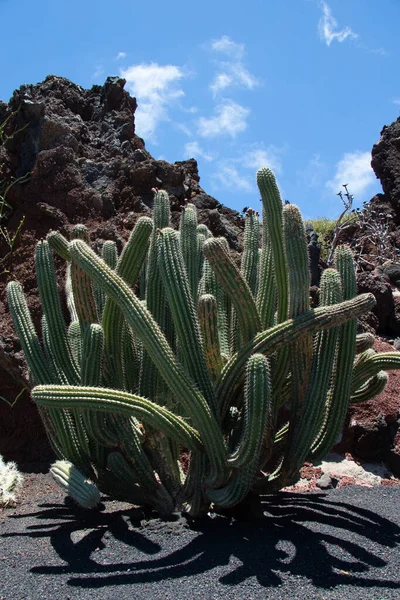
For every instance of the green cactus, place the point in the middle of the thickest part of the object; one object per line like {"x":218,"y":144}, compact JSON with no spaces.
{"x":172,"y":351}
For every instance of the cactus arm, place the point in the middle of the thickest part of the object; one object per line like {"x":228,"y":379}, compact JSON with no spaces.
{"x":128,"y":268}
{"x":273,"y":339}
{"x":324,"y":354}
{"x":50,"y":300}
{"x":109,"y":253}
{"x":272,"y":213}
{"x":208,"y":319}
{"x":59,"y":244}
{"x":342,"y":373}
{"x":250,"y":256}
{"x":256,"y":426}
{"x":385,"y":361}
{"x":155,"y":295}
{"x":371,"y":388}
{"x":83,"y":491}
{"x":107,"y":400}
{"x":210,"y":285}
{"x":299,"y":303}
{"x":184,"y":313}
{"x":364,"y":341}
{"x":189,"y":246}
{"x":75,"y":340}
{"x":235,"y":286}
{"x":27,"y":335}
{"x":266,"y":289}
{"x":257,"y":412}
{"x":92,"y":355}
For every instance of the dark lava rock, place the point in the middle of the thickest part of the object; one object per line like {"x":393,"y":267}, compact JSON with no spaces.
{"x":386,"y":164}
{"x":377,"y":284}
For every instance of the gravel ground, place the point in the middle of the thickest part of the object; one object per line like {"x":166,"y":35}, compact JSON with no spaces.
{"x":341,"y":544}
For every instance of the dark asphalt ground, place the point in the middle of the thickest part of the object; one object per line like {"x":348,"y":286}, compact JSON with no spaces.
{"x":342,"y":545}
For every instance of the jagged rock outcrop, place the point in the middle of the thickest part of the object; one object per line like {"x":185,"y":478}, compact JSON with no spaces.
{"x":84,"y":163}
{"x":386,"y":164}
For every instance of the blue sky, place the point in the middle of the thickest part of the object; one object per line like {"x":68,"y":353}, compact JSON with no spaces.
{"x":303,"y":86}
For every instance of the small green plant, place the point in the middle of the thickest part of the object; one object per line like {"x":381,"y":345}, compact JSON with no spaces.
{"x":174,"y":352}
{"x":11,"y":481}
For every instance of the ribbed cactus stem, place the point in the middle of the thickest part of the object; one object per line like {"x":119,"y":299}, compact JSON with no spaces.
{"x":27,"y":335}
{"x":189,"y":246}
{"x":155,"y":293}
{"x":109,"y":253}
{"x":341,"y":388}
{"x":272,"y":213}
{"x":235,"y":286}
{"x":250,"y":256}
{"x":324,"y":354}
{"x":256,"y":418}
{"x":107,"y":400}
{"x":373,"y":387}
{"x":128,"y":268}
{"x":257,"y":422}
{"x":370,"y":367}
{"x":184,"y":313}
{"x":268,"y":342}
{"x":48,"y":291}
{"x":59,"y":244}
{"x":83,"y":491}
{"x":208,"y":319}
{"x":364,"y":341}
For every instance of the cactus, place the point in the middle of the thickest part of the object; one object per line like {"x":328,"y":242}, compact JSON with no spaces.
{"x":171,"y":349}
{"x":83,"y":491}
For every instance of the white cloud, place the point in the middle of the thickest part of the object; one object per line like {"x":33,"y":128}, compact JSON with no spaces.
{"x":327,"y":27}
{"x":230,"y":119}
{"x":155,"y":88}
{"x":184,"y":128}
{"x":261,"y":157}
{"x":120,"y":55}
{"x":396,"y":101}
{"x":232,"y":71}
{"x":227,"y":177}
{"x":220,"y":82}
{"x":98,"y":72}
{"x":237,"y":174}
{"x":312,"y":174}
{"x":355,"y":170}
{"x":227,"y":46}
{"x":194,"y":150}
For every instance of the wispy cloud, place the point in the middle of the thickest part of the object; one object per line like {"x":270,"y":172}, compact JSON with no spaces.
{"x":228,"y":177}
{"x":312,"y":174}
{"x":396,"y":101}
{"x":155,"y":87}
{"x":98,"y":72}
{"x":230,"y":119}
{"x":194,"y":150}
{"x":238,"y":174}
{"x":231,"y":71}
{"x":355,"y":170}
{"x":328,"y":27}
{"x":262,"y":157}
{"x":120,"y":55}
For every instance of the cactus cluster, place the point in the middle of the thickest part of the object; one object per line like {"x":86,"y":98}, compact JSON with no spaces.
{"x":172,"y":350}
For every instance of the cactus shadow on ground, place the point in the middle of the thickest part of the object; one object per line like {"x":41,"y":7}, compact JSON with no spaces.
{"x":318,"y":540}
